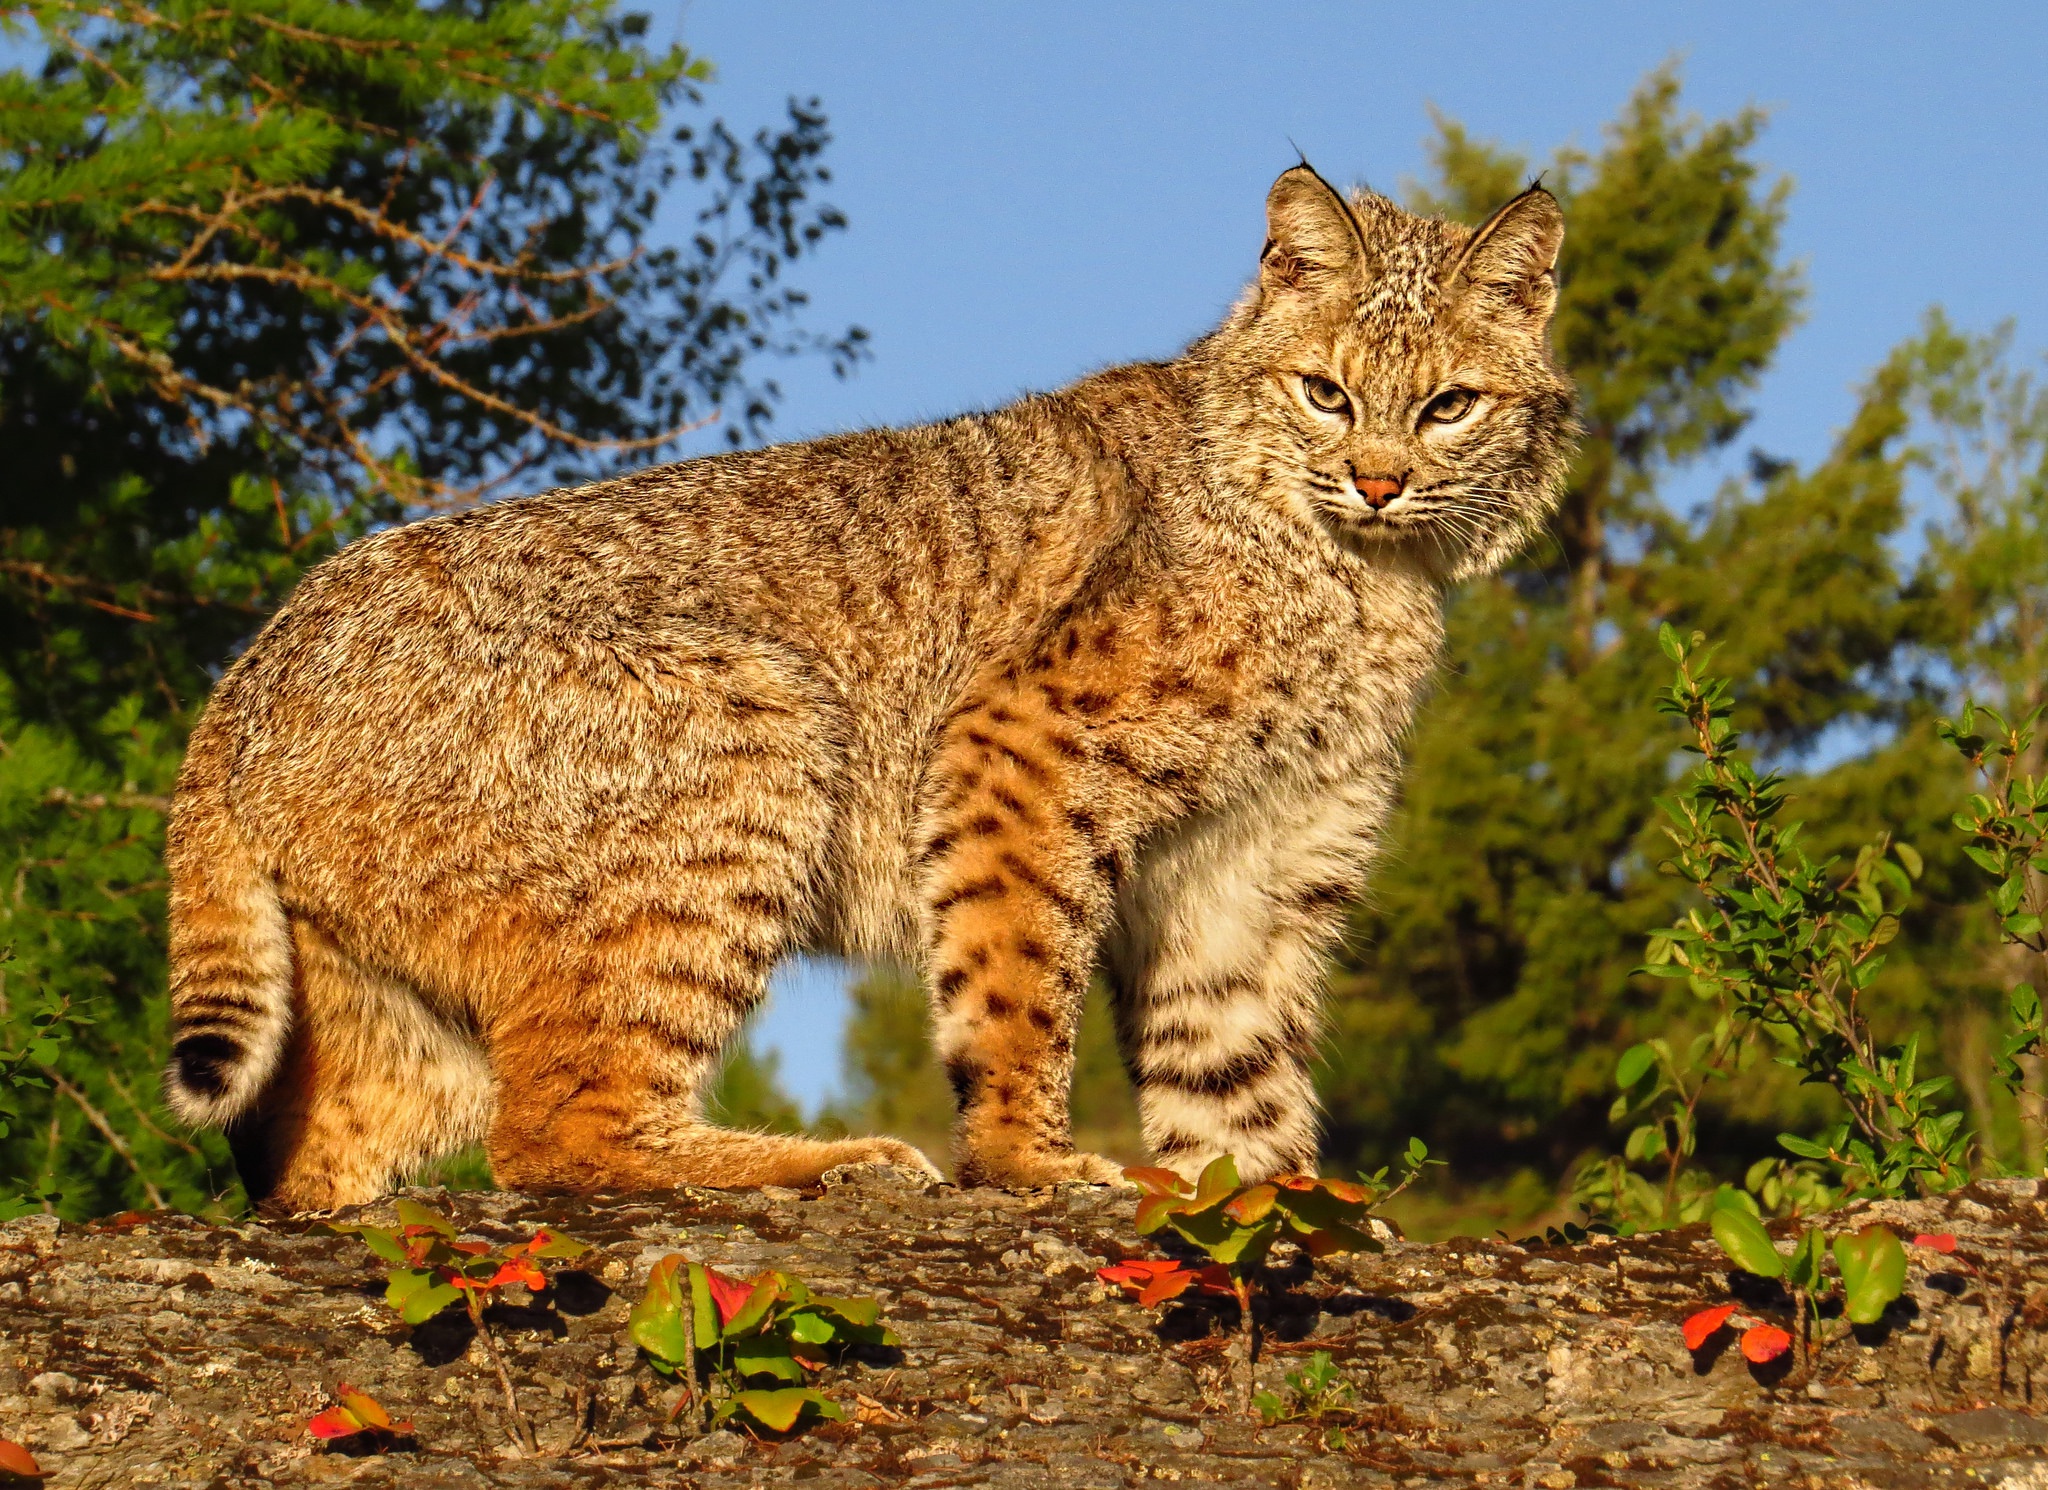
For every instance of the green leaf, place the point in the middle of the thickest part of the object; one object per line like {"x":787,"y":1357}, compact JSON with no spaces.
{"x":1668,"y":640}
{"x":422,"y":1304}
{"x":767,"y":1293}
{"x":1873,"y":1267}
{"x":1910,"y":857}
{"x":1218,"y":1180}
{"x":1634,"y":1063}
{"x":811,"y":1327}
{"x":380,"y":1241}
{"x":766,"y":1357}
{"x":779,"y":1410}
{"x":412,"y":1213}
{"x":558,"y":1245}
{"x":657,"y":1321}
{"x":703,"y":1312}
{"x":852,"y":1310}
{"x":1984,"y":859}
{"x":2025,"y":924}
{"x":1746,"y":1242}
{"x":1803,"y":1267}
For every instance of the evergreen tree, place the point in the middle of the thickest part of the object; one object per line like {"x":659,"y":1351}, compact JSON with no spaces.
{"x":273,"y":272}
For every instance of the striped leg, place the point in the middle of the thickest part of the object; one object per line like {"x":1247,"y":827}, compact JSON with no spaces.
{"x":1217,"y":971}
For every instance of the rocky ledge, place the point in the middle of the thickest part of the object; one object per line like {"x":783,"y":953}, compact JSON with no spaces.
{"x":162,"y":1350}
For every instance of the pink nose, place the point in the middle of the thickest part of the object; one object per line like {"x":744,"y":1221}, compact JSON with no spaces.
{"x":1377,"y":490}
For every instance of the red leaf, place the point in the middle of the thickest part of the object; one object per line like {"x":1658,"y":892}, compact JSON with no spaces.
{"x":1765,"y":1342}
{"x":1166,"y":1286}
{"x":1215,"y":1278}
{"x":472,"y":1249}
{"x":364,"y":1408}
{"x":726,"y":1295}
{"x":1703,"y":1325}
{"x":1135,"y":1275}
{"x":1158,"y":1181}
{"x":1346,"y":1190}
{"x":17,"y":1460}
{"x":519,"y":1270}
{"x":1939,"y":1242}
{"x":336,"y":1422}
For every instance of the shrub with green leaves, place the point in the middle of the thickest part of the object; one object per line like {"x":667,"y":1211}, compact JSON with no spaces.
{"x":1780,"y":946}
{"x":46,"y":1025}
{"x":694,"y":1322}
{"x":2007,"y":826}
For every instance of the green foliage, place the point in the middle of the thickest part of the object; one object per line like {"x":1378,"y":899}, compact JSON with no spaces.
{"x":696,"y":1323}
{"x":272,"y":274}
{"x":2008,"y":832}
{"x":1788,"y":946}
{"x":47,"y":1025}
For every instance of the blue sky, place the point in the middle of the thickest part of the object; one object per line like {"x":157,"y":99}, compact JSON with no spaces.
{"x":1038,"y":190}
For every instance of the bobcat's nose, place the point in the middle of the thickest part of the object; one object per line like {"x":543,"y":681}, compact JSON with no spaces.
{"x":1379,"y":490}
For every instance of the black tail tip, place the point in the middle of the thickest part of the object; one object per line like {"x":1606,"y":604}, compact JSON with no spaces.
{"x":205,"y":1063}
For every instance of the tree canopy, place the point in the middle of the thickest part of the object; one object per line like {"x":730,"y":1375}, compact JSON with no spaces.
{"x":274,"y":272}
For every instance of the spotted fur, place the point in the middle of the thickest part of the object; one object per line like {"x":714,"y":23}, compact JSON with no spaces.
{"x":497,"y":829}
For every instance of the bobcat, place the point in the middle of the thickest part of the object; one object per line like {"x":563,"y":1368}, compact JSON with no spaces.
{"x":497,"y":828}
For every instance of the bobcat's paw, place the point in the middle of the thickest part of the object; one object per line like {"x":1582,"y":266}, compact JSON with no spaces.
{"x":1024,"y":1171}
{"x":890,"y":1151}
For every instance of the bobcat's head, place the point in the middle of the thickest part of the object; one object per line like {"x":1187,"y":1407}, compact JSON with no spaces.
{"x":1388,"y":375}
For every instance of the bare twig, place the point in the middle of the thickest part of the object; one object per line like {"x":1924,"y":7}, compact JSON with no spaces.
{"x":522,"y":1431}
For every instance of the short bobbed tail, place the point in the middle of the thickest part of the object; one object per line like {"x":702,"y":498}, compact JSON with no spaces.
{"x":230,"y":955}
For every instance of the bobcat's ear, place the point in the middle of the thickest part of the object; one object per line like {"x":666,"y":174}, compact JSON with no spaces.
{"x":1511,"y":261}
{"x":1313,"y":243}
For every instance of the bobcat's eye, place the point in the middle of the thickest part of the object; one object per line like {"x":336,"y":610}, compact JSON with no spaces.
{"x":1323,"y":395}
{"x":1450,"y":406}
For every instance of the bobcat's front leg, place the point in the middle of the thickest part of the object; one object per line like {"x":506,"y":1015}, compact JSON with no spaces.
{"x":1026,"y":844}
{"x":1217,"y":966}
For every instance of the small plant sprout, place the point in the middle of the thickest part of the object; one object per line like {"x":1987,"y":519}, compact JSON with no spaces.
{"x":1870,"y":1272}
{"x":435,"y":1268}
{"x":354,"y":1414}
{"x":696,"y":1323}
{"x":1316,"y":1389}
{"x":1235,"y":1225}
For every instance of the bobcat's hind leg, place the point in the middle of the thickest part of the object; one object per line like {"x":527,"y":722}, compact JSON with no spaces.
{"x":373,"y":1085}
{"x":603,"y":1065}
